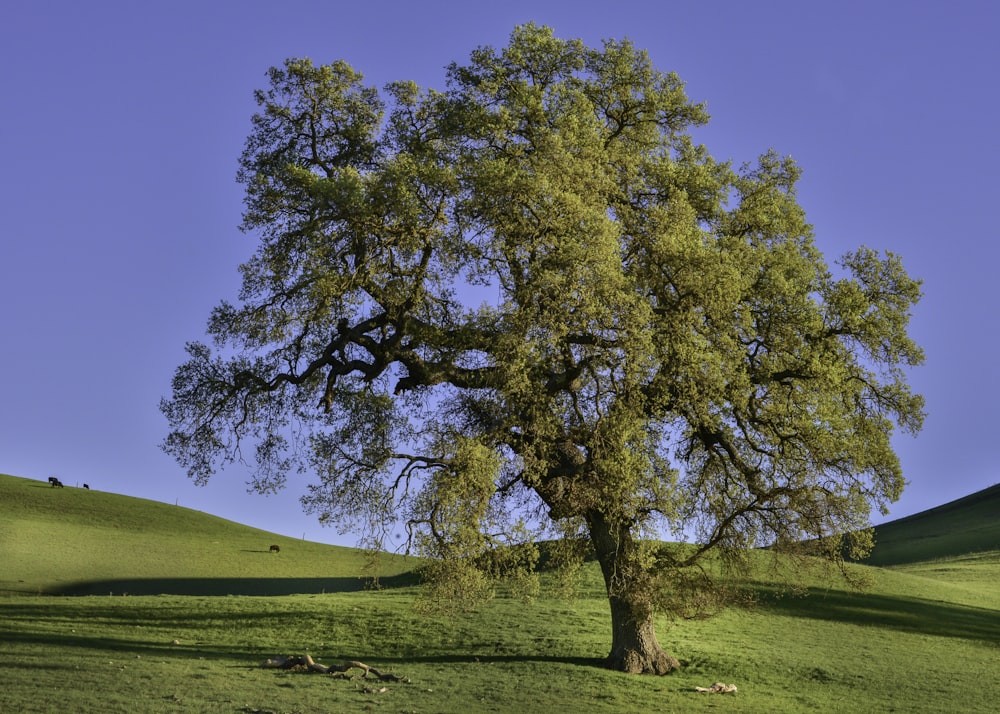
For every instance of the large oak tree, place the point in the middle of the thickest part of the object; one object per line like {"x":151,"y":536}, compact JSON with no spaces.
{"x":532,"y":298}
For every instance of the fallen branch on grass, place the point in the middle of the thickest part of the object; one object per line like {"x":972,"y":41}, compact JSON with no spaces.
{"x":305,"y":663}
{"x":718,"y":688}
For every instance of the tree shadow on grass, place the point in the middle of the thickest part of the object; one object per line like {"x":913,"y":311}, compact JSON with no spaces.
{"x":232,"y":586}
{"x":906,"y":614}
{"x":472,"y":658}
{"x":63,"y":642}
{"x":252,"y":657}
{"x":57,"y":625}
{"x":168,"y":631}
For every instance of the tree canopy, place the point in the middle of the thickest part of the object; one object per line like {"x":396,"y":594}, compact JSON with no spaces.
{"x":529,"y":304}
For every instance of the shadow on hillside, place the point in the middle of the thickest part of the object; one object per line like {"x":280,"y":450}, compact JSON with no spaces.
{"x":61,"y":642}
{"x":928,"y":617}
{"x":150,"y":629}
{"x":251,"y":656}
{"x":231,"y":586}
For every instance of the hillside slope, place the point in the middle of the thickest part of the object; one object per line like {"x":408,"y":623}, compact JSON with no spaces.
{"x":77,"y":541}
{"x":964,"y":526}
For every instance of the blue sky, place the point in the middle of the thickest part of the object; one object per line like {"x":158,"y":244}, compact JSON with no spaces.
{"x":122,"y":123}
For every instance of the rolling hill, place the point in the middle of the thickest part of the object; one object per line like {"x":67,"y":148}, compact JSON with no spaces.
{"x":77,"y":541}
{"x":965,"y":526}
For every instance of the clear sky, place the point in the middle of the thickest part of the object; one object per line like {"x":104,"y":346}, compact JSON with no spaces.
{"x":121,"y":124}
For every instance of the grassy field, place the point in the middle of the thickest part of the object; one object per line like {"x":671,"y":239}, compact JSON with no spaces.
{"x":206,"y":603}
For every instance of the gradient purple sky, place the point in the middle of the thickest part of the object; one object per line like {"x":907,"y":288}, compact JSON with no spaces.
{"x":122,"y":123}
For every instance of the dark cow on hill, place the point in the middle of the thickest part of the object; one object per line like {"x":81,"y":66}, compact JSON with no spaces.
{"x":275,"y":549}
{"x":86,"y":487}
{"x":53,"y":482}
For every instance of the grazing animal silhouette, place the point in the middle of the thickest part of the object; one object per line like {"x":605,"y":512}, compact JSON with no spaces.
{"x":275,"y":549}
{"x":53,"y":481}
{"x":86,"y":487}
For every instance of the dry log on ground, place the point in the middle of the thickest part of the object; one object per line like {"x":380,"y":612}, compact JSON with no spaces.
{"x":305,"y":663}
{"x":718,"y":688}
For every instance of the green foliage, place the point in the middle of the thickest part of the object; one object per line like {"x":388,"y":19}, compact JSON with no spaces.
{"x":456,"y":500}
{"x":454,"y":586}
{"x":662,"y":342}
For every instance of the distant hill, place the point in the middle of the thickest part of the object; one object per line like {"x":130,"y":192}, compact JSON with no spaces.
{"x":967,"y":525}
{"x":74,"y":541}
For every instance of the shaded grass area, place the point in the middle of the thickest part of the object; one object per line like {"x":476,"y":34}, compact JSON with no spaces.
{"x":964,"y":526}
{"x":231,"y":586}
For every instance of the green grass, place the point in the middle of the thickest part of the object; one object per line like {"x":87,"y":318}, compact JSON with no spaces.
{"x":72,"y":541}
{"x":924,"y":638}
{"x":968,"y":525}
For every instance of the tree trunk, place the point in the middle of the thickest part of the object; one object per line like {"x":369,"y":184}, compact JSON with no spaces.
{"x":634,"y":647}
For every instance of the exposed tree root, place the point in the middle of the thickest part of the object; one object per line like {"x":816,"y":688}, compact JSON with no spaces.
{"x":305,"y":663}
